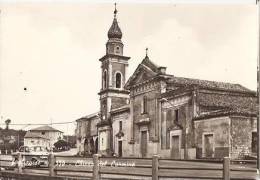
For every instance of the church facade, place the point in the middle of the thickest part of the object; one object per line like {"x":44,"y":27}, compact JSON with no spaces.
{"x":157,"y":113}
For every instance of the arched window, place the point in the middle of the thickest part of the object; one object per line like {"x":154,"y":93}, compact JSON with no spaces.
{"x":117,"y":50}
{"x":118,"y":80}
{"x":105,"y":79}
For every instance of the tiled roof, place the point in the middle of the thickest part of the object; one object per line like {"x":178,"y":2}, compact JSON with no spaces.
{"x":89,"y":116}
{"x":30,"y":134}
{"x":121,"y":109}
{"x":212,"y":104}
{"x":148,"y":63}
{"x":238,"y":103}
{"x":45,"y":128}
{"x":207,"y":84}
{"x":222,"y":113}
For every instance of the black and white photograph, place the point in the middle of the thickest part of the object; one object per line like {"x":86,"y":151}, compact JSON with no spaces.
{"x":129,"y":90}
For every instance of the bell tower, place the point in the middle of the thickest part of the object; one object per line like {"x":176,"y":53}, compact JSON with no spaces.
{"x":112,"y":94}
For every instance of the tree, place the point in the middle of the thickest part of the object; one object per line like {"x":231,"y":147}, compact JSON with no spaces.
{"x":7,"y":122}
{"x":61,"y":144}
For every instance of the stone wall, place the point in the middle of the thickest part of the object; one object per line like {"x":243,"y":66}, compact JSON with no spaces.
{"x":241,"y":136}
{"x":117,"y":102}
{"x":219,"y":127}
{"x":151,"y":112}
{"x":177,"y":115}
{"x":125,"y":137}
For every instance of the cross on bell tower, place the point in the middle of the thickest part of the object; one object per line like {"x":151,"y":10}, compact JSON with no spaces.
{"x":115,"y":11}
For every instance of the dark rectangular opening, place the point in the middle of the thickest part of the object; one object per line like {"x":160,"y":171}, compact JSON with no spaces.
{"x":176,"y":115}
{"x":120,"y":125}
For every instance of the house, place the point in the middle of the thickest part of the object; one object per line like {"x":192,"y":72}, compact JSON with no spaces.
{"x":43,"y":136}
{"x":158,"y":113}
{"x":87,"y":134}
{"x":36,"y":139}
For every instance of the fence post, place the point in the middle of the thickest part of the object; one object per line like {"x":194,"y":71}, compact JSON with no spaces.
{"x":51,"y":164}
{"x":226,"y":168}
{"x":20,"y":163}
{"x":155,"y":167}
{"x":96,"y":175}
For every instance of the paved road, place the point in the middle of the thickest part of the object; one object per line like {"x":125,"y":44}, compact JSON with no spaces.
{"x":71,"y":152}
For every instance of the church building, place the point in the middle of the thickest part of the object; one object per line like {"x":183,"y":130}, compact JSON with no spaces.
{"x":153,"y":112}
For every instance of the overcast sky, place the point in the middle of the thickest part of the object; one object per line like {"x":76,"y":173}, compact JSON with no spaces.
{"x":53,"y":51}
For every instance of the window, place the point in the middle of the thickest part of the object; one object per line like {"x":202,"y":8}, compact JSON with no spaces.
{"x":254,"y":142}
{"x":120,"y":125}
{"x":144,"y":105}
{"x":117,"y":50}
{"x":176,"y":115}
{"x":105,"y":79}
{"x":43,"y":133}
{"x":26,"y":149}
{"x":118,"y":80}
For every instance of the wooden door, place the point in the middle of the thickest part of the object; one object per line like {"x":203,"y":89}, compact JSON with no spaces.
{"x":208,"y":145}
{"x":254,"y":142}
{"x":120,"y":149}
{"x":175,"y":150}
{"x":143,"y":143}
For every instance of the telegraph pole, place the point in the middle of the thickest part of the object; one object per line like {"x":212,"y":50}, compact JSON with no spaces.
{"x":258,"y":97}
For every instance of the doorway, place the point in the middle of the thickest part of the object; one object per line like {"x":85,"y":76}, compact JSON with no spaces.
{"x":120,"y":148}
{"x":254,"y":142}
{"x":143,"y":143}
{"x":208,"y":145}
{"x":96,"y":146}
{"x":175,"y":150}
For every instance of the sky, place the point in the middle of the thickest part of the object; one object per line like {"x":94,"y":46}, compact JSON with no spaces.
{"x":53,"y":50}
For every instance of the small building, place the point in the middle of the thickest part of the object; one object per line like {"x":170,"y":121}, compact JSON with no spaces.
{"x":44,"y":136}
{"x":87,"y":134}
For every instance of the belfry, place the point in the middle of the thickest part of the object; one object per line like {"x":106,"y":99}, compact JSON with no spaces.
{"x":112,"y":94}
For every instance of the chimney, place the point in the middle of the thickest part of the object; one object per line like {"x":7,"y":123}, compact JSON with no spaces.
{"x":161,"y":70}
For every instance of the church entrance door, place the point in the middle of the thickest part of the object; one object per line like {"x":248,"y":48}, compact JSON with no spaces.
{"x":175,"y":150}
{"x":120,"y":148}
{"x":143,"y":143}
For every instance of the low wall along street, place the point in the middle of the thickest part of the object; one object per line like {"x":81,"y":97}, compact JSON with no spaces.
{"x":75,"y":167}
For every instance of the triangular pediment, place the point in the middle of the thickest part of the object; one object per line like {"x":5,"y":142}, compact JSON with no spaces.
{"x":175,"y":126}
{"x":141,"y":74}
{"x":145,"y":70}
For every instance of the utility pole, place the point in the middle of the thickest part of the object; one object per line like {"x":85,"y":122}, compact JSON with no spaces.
{"x":258,"y":97}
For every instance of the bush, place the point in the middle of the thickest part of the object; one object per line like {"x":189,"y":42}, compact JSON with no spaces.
{"x":61,"y":145}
